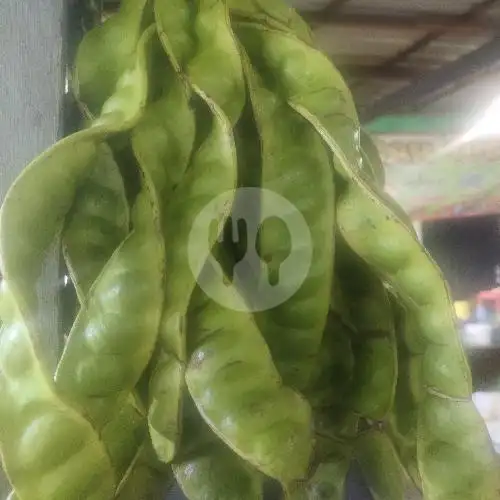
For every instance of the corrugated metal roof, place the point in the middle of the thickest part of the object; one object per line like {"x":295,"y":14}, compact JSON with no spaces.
{"x":309,"y":5}
{"x":379,"y":43}
{"x":410,"y":6}
{"x":445,"y":49}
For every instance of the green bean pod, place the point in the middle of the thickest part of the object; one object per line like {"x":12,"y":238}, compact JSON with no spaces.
{"x":23,"y":250}
{"x":335,"y":430}
{"x":373,"y":162}
{"x":115,"y":332}
{"x":164,"y":138}
{"x":293,"y":157}
{"x":380,"y":465}
{"x":375,"y":233}
{"x":327,"y":481}
{"x":94,"y":348}
{"x":332,"y":375}
{"x":104,"y":55}
{"x":372,"y":158}
{"x":402,"y":422}
{"x":206,"y":468}
{"x":144,"y":480}
{"x":239,"y":392}
{"x":305,"y":78}
{"x":272,"y":13}
{"x":212,"y":171}
{"x":184,"y":26}
{"x":374,"y":344}
{"x":25,"y":204}
{"x":48,"y":450}
{"x":124,"y":435}
{"x":96,"y":224}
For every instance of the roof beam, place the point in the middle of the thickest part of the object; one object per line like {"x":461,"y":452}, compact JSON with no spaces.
{"x":422,"y":22}
{"x":434,"y":83}
{"x":359,"y":71}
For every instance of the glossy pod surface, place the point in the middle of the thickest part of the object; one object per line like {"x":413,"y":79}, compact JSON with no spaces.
{"x":220,"y":341}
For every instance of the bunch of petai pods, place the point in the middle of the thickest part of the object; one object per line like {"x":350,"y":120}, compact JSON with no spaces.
{"x":185,"y":101}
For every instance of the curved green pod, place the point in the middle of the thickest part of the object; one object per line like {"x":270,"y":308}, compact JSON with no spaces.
{"x":452,"y":432}
{"x":374,"y":344}
{"x":335,"y":430}
{"x":116,"y":329}
{"x":239,"y":392}
{"x":372,"y":230}
{"x":101,"y":337}
{"x":211,"y":172}
{"x":372,"y":158}
{"x":380,"y":465}
{"x":185,"y":26}
{"x":23,"y":244}
{"x":402,"y":422}
{"x":331,"y":378}
{"x":105,"y":53}
{"x":49,"y":451}
{"x":164,"y":138}
{"x":306,"y":79}
{"x":327,"y":482}
{"x":273,"y":13}
{"x":97,"y":222}
{"x":293,"y":157}
{"x":25,"y":204}
{"x":144,"y":479}
{"x":206,"y":468}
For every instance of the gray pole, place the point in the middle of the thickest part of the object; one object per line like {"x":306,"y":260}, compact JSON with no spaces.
{"x":31,"y":93}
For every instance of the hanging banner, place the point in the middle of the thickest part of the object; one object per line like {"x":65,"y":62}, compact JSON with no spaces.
{"x":441,"y":177}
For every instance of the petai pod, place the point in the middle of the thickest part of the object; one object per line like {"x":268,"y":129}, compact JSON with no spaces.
{"x":335,"y":430}
{"x":101,"y":336}
{"x":380,"y":465}
{"x":273,"y":13}
{"x":372,"y":158}
{"x":239,"y":392}
{"x":206,"y":468}
{"x":162,"y":143}
{"x":373,"y":161}
{"x":23,"y":250}
{"x":292,"y":158}
{"x":124,"y":435}
{"x":383,"y":240}
{"x":185,"y":26}
{"x":305,"y":78}
{"x":402,"y":422}
{"x":48,"y":450}
{"x":144,"y":479}
{"x":116,"y":329}
{"x":374,"y":343}
{"x":328,"y":475}
{"x":331,"y":378}
{"x":104,"y":55}
{"x":211,"y":173}
{"x":25,"y":204}
{"x":97,"y":222}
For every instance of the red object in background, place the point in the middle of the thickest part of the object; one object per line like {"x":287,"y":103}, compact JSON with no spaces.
{"x":487,"y":297}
